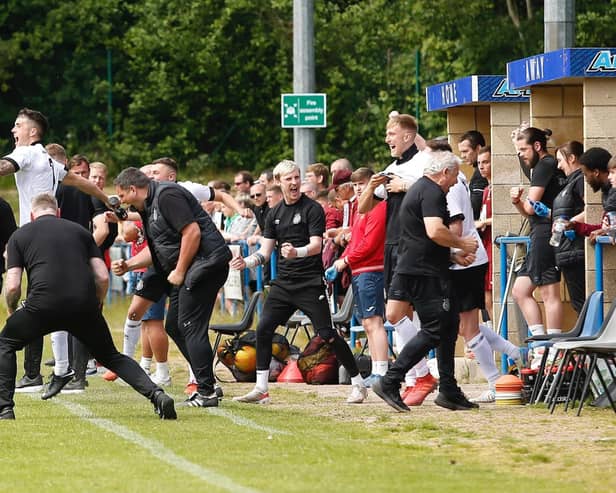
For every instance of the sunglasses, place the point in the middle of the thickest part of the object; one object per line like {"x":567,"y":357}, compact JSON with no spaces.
{"x":254,"y":196}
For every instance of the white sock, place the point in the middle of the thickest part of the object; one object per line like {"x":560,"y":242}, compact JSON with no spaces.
{"x":380,"y":367}
{"x":262,"y":384}
{"x":498,"y":343}
{"x":536,"y":330}
{"x":162,"y":370}
{"x":555,"y":331}
{"x":485,"y":357}
{"x":191,"y":376}
{"x":357,"y":380}
{"x":405,"y":331}
{"x":145,"y":363}
{"x":132,"y":332}
{"x":59,"y":347}
{"x":410,"y":378}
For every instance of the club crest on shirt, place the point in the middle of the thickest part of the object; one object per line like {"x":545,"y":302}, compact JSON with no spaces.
{"x":446,"y":304}
{"x":297,"y":218}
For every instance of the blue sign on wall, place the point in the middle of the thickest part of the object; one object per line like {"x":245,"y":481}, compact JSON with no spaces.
{"x":473,"y":89}
{"x":560,"y":64}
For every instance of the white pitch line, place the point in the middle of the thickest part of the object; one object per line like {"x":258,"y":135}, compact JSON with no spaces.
{"x":241,"y":421}
{"x":156,"y":449}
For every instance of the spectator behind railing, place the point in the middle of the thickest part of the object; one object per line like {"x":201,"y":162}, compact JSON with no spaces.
{"x":237,"y":227}
{"x":569,"y":203}
{"x":595,"y":168}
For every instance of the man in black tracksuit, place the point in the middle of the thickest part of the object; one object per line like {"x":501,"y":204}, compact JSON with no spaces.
{"x":67,"y":282}
{"x":191,"y":258}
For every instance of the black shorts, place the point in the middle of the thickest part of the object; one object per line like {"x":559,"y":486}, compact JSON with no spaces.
{"x":390,"y":260}
{"x":430,"y":291}
{"x":152,"y":286}
{"x":540,"y":263}
{"x":469,"y":287}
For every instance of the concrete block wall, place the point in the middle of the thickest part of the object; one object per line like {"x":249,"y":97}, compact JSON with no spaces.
{"x":559,"y":108}
{"x":464,"y":118}
{"x":506,"y":173}
{"x":599,"y":130}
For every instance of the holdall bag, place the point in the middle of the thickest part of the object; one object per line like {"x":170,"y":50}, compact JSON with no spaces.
{"x":239,"y":355}
{"x":317,"y":363}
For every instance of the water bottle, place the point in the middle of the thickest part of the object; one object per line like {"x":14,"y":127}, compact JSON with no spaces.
{"x":560,"y":224}
{"x":611,"y":224}
{"x":541,"y":210}
{"x":331,"y":274}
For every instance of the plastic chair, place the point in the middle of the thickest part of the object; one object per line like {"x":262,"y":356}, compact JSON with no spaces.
{"x":340,"y":320}
{"x":588,"y":320}
{"x":602,"y":346}
{"x":358,"y":329}
{"x":298,"y":321}
{"x":236,"y":329}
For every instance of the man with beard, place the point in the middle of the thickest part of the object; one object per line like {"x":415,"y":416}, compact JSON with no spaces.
{"x":539,"y":268}
{"x":595,"y":169}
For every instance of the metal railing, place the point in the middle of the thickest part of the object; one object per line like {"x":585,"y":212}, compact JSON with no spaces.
{"x":505,"y":284}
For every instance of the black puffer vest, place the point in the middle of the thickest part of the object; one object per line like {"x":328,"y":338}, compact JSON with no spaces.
{"x":568,"y":203}
{"x":164,"y":241}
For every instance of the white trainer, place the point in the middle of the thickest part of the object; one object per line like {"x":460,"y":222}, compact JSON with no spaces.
{"x":358,"y":394}
{"x":254,"y":397}
{"x":486,"y":397}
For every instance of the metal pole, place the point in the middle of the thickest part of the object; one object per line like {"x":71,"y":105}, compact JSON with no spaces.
{"x":558,"y":24}
{"x":304,"y":139}
{"x":417,"y":84}
{"x":109,"y":96}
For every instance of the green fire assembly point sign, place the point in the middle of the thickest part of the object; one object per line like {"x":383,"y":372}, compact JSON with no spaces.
{"x":303,"y":110}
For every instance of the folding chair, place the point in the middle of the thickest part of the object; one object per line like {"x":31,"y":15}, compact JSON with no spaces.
{"x":602,"y":346}
{"x":238,"y":328}
{"x":296,"y":323}
{"x":389,"y":329}
{"x":587,"y":323}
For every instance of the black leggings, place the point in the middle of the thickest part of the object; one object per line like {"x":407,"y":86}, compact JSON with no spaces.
{"x":281,"y":303}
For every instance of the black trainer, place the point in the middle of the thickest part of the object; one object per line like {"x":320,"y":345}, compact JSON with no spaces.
{"x":76,"y":386}
{"x":200,"y":400}
{"x":28,"y":385}
{"x":164,"y":406}
{"x":455,"y":402}
{"x":56,"y":384}
{"x":389,"y":394}
{"x":219,"y":392}
{"x":7,"y":413}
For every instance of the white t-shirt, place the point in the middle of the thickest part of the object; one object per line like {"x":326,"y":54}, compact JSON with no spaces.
{"x":38,"y":173}
{"x":202,"y":193}
{"x":459,"y":202}
{"x":410,"y":171}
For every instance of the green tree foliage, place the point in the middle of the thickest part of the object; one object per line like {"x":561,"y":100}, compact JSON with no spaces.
{"x":201,"y":79}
